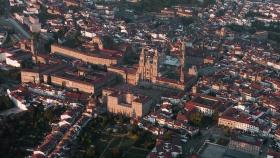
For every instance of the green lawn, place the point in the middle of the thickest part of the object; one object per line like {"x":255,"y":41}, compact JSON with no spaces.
{"x":100,"y":146}
{"x":127,"y":143}
{"x":115,"y":142}
{"x":136,"y":153}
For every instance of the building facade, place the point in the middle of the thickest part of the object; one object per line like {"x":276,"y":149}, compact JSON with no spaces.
{"x":92,"y":58}
{"x":126,"y":102}
{"x":248,"y":145}
{"x":236,"y":119}
{"x":148,"y":71}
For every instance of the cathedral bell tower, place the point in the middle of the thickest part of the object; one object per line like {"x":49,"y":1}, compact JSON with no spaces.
{"x":182,"y":62}
{"x":141,"y":67}
{"x":34,"y":49}
{"x":155,"y":66}
{"x":182,"y":76}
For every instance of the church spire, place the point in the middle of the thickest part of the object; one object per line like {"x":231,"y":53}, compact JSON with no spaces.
{"x":155,"y":66}
{"x":183,"y":51}
{"x":34,"y":46}
{"x":142,"y":56}
{"x":182,"y":75}
{"x":182,"y":62}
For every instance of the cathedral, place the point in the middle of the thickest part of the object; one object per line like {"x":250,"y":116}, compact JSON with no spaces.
{"x":148,"y":71}
{"x":148,"y":66}
{"x":153,"y":72}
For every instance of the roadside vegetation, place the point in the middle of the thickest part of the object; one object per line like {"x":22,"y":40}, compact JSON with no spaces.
{"x":113,"y":136}
{"x":26,"y":130}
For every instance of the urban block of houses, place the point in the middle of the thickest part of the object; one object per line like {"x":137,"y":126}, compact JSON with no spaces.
{"x":237,"y":119}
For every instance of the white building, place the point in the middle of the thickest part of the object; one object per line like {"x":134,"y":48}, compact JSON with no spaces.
{"x":18,"y":101}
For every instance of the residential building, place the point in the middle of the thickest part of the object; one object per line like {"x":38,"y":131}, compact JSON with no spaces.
{"x":236,"y":119}
{"x":205,"y":104}
{"x":246,"y":144}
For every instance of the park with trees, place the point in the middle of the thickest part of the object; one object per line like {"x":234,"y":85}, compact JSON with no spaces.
{"x":112,"y":136}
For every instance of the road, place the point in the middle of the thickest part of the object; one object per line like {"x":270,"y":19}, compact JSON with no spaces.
{"x":11,"y":111}
{"x":195,"y":143}
{"x":7,"y":18}
{"x":19,"y":28}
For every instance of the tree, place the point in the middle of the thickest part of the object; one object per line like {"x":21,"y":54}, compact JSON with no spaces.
{"x":90,"y":152}
{"x":108,"y":42}
{"x":60,"y":33}
{"x":274,"y":37}
{"x":220,"y":13}
{"x":86,"y":140}
{"x":14,"y":134}
{"x":5,"y":103}
{"x":47,"y":45}
{"x":227,"y":131}
{"x":196,"y":118}
{"x":215,"y":117}
{"x":27,"y":64}
{"x":116,"y":152}
{"x":157,"y":5}
{"x":146,"y":139}
{"x":10,"y":75}
{"x":2,"y":7}
{"x":186,"y":20}
{"x":167,"y":135}
{"x":130,"y":57}
{"x":49,"y":115}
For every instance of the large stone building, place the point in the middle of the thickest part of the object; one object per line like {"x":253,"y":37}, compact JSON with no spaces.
{"x":236,"y":119}
{"x":126,"y":102}
{"x":80,"y":78}
{"x":246,"y":144}
{"x":98,"y":57}
{"x":205,"y":104}
{"x":148,"y":66}
{"x":30,"y":76}
{"x":148,"y":73}
{"x":84,"y":80}
{"x":40,"y":73}
{"x":148,"y":70}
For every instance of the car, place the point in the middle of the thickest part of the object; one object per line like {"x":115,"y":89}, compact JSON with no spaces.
{"x":65,"y":148}
{"x":184,"y":136}
{"x":184,"y":140}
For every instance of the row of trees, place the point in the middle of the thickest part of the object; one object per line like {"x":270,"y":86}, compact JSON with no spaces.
{"x":11,"y":75}
{"x":273,"y":26}
{"x":91,"y":136}
{"x":200,"y":120}
{"x":257,"y":25}
{"x":5,"y":103}
{"x":239,"y":28}
{"x":25,"y":130}
{"x":256,"y":14}
{"x":274,"y":37}
{"x":157,"y":5}
{"x":2,"y":7}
